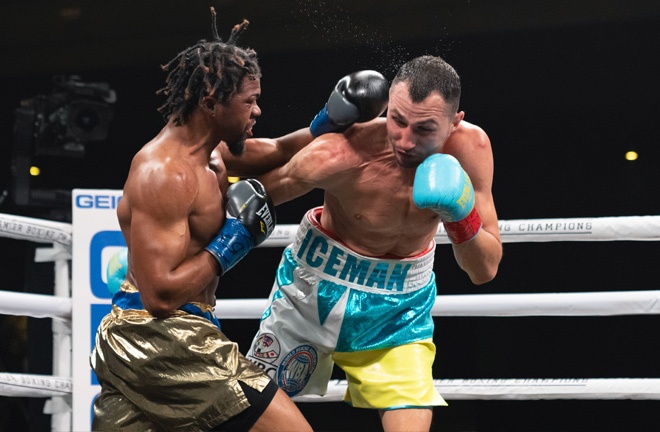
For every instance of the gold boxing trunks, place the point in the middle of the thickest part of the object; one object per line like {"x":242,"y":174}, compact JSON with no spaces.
{"x":175,"y":373}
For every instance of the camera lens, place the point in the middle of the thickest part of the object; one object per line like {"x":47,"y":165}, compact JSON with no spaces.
{"x":86,"y":120}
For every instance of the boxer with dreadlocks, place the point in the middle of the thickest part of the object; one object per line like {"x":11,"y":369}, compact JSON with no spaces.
{"x":160,"y":356}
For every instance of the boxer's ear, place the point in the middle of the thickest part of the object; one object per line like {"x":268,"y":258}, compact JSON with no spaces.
{"x":208,"y":104}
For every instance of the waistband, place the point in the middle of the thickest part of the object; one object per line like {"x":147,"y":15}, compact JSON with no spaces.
{"x":332,"y":260}
{"x":128,"y":298}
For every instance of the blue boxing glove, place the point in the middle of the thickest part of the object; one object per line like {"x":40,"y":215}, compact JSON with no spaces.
{"x":358,"y":97}
{"x":250,"y":220}
{"x":442,"y":185}
{"x":117,"y":270}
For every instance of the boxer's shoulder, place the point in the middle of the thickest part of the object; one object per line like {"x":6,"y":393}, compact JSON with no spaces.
{"x":375,"y":130}
{"x":467,"y":136}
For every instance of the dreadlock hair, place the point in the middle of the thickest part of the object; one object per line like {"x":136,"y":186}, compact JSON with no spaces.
{"x":209,"y":68}
{"x":426,"y":74}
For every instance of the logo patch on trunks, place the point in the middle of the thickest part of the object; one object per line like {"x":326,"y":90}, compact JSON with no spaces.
{"x":266,"y":348}
{"x":296,"y":369}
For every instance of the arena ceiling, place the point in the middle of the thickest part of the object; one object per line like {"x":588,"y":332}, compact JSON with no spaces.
{"x":45,"y":36}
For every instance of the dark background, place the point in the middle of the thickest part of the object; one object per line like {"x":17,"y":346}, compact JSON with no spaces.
{"x":563,"y":88}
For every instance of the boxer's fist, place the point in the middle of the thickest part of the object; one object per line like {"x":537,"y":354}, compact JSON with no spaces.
{"x":248,"y":203}
{"x":117,"y":270}
{"x":358,"y":97}
{"x":250,"y":220}
{"x":442,"y":185}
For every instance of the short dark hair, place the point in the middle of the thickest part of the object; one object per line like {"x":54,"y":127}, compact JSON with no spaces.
{"x":427,"y":74}
{"x":208,"y":68}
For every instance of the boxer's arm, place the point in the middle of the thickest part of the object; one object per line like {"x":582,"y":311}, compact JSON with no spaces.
{"x":263,"y":154}
{"x":479,"y":257}
{"x":160,"y":240}
{"x":358,"y":97}
{"x":321,"y":164}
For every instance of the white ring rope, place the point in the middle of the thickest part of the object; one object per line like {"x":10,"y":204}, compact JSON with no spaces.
{"x":485,"y":305}
{"x":30,"y":385}
{"x":36,"y":230}
{"x":636,"y":228}
{"x":26,"y":385}
{"x":524,"y":389}
{"x":502,"y":305}
{"x":552,"y":304}
{"x":34,"y":305}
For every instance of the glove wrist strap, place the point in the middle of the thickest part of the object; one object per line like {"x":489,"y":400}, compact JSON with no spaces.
{"x":231,"y":245}
{"x":465,"y":229}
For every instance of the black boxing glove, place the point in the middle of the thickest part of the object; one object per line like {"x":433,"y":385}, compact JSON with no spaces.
{"x":250,"y":220}
{"x":358,"y":97}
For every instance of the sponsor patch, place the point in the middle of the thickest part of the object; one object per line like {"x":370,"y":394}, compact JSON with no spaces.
{"x":296,"y":369}
{"x":266,"y":348}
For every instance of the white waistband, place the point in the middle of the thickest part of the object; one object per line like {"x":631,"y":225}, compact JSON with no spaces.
{"x":334,"y":261}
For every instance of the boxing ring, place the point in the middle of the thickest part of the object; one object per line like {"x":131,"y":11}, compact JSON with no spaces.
{"x":58,"y":239}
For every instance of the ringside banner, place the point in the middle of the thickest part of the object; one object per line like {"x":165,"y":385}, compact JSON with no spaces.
{"x":96,"y":236}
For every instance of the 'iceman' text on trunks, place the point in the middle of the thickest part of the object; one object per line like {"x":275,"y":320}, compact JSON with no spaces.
{"x":317,"y":253}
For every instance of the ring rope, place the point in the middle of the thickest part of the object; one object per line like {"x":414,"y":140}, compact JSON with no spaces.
{"x":36,"y":230}
{"x":35,"y":305}
{"x":524,"y":389}
{"x":636,"y":228}
{"x":612,"y":303}
{"x":29,"y":385}
{"x":501,"y":305}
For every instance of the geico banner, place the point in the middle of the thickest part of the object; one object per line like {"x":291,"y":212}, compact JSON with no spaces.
{"x":96,"y":236}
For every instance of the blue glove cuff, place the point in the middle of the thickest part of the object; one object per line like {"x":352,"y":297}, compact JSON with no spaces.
{"x":323,"y":124}
{"x":231,"y":244}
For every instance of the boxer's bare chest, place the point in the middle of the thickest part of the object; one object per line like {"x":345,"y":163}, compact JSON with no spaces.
{"x":377,"y":214}
{"x":208,"y":213}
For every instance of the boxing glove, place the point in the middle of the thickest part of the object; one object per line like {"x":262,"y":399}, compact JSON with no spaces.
{"x":442,"y":185}
{"x":117,"y":270}
{"x":358,"y":97}
{"x":250,"y":220}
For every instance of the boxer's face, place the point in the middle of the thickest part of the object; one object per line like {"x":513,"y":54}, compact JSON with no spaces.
{"x":417,"y":130}
{"x":238,"y":115}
